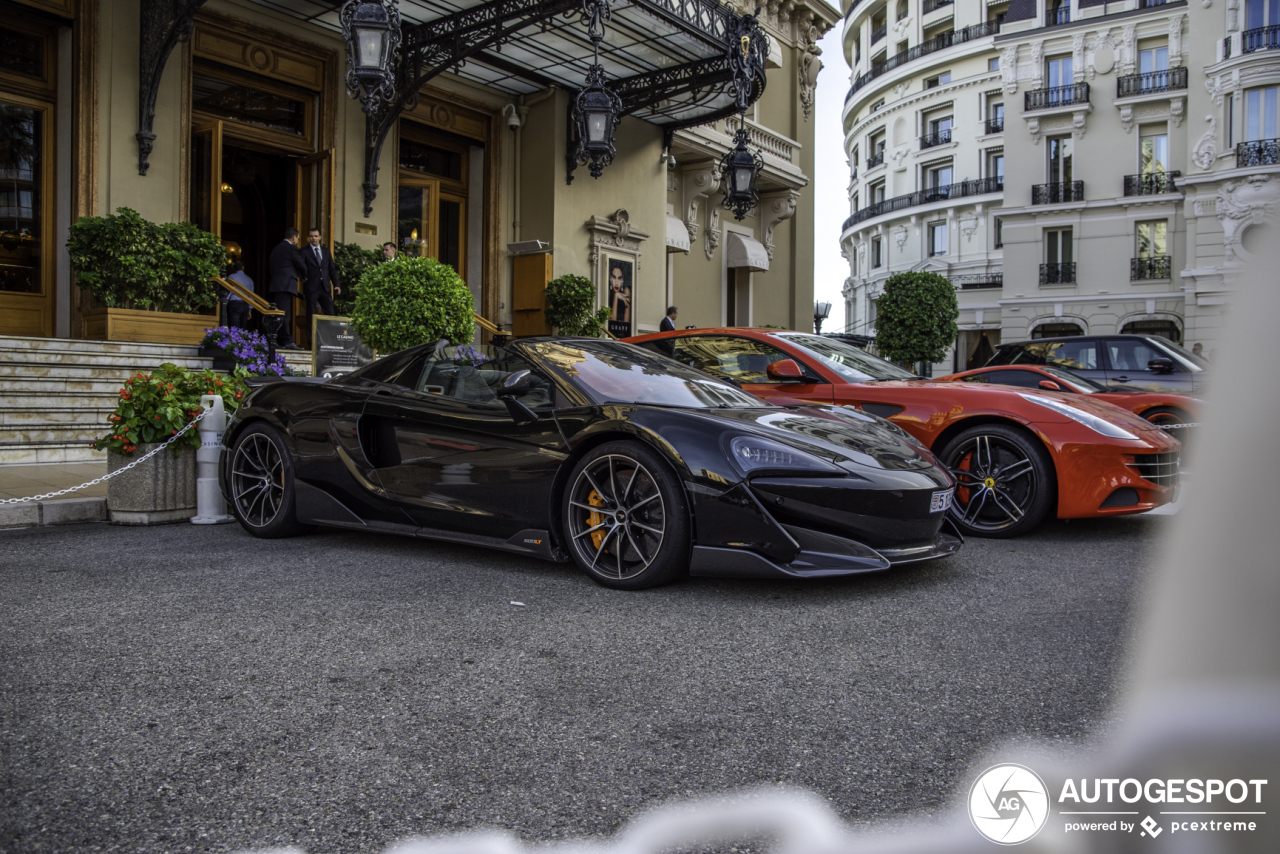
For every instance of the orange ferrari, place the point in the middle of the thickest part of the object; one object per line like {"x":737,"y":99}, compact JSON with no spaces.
{"x":1164,"y":410}
{"x":1018,"y":455}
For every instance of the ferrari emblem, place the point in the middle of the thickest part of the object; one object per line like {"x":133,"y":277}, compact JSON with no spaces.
{"x":746,"y":47}
{"x":989,"y":483}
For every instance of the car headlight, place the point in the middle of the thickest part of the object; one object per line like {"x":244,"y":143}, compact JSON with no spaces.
{"x":1093,"y":422}
{"x":753,"y":454}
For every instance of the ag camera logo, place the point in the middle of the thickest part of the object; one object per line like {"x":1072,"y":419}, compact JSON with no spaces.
{"x":1009,"y":804}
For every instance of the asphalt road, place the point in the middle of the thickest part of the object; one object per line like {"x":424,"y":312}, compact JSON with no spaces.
{"x":193,"y":689}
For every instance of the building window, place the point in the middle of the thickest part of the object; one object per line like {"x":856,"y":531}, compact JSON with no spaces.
{"x":1058,"y":71}
{"x":1058,"y":160}
{"x":939,"y":176}
{"x":1058,"y":12}
{"x":1058,"y":330}
{"x":999,"y":232}
{"x":937,"y":238}
{"x":877,"y":193}
{"x":1162,"y":328}
{"x":1153,"y":59}
{"x":1260,"y":114}
{"x":993,"y":64}
{"x":1261,"y":13}
{"x":995,"y":165}
{"x":877,"y":259}
{"x":941,"y":80}
{"x":1153,"y":241}
{"x":1231,"y":120}
{"x":1153,"y":150}
{"x":877,"y":105}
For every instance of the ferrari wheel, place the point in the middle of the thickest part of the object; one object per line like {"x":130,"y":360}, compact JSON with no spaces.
{"x":1005,"y":481}
{"x":1166,"y":416}
{"x":260,"y":477}
{"x":625,"y":518}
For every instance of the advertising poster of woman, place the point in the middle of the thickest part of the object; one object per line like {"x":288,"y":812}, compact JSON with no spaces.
{"x":620,"y":297}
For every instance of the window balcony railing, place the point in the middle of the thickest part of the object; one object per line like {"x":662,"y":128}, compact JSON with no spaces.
{"x":1059,"y":273}
{"x":878,"y":33}
{"x":925,"y":48}
{"x":1165,"y":80}
{"x":1155,"y":267}
{"x":958,"y":190}
{"x":979,"y":281}
{"x":1260,"y":38}
{"x":1260,"y":152}
{"x":1150,"y":4}
{"x":1057,"y":193}
{"x":934,"y":5}
{"x":941,"y":137}
{"x":1056,"y":96}
{"x":1061,"y":15}
{"x":995,"y":125}
{"x":1151,"y":183}
{"x":1226,"y":48}
{"x":875,"y":160}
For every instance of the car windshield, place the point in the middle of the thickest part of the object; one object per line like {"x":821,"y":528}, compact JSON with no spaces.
{"x":614,"y":372}
{"x":853,"y":365}
{"x":1083,"y":385}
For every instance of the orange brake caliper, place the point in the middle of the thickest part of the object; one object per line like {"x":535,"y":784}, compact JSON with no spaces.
{"x":593,"y":519}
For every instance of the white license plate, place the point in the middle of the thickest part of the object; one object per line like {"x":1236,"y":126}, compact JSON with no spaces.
{"x":941,"y":502}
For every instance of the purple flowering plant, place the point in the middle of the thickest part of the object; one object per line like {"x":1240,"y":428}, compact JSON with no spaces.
{"x":249,"y":349}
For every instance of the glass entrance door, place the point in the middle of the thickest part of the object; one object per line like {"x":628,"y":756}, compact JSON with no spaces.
{"x":26,"y":181}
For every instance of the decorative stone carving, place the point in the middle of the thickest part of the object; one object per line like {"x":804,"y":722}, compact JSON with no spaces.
{"x":1126,"y":118}
{"x":1175,"y":39}
{"x":1205,"y":207}
{"x":968,"y":225}
{"x":900,"y":27}
{"x":713,"y":230}
{"x":1233,"y":12}
{"x":900,"y":236}
{"x":1078,"y":123}
{"x":1077,"y":57}
{"x":847,"y":290}
{"x":1033,"y":125}
{"x":1216,"y":89}
{"x":810,"y":65}
{"x":900,"y":88}
{"x":1244,"y":203}
{"x":614,"y":234}
{"x":1009,"y":69}
{"x":776,"y":209}
{"x":1177,"y":109}
{"x":1129,"y":57}
{"x":673,"y":181}
{"x":900,"y":155}
{"x":1206,"y":150}
{"x":1037,"y":63}
{"x":700,"y":181}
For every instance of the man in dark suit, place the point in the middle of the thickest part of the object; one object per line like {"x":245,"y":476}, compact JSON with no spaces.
{"x":668,"y":323}
{"x":284,"y":266}
{"x":321,"y":282}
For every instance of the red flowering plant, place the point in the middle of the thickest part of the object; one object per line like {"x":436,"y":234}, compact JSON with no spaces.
{"x":155,"y":406}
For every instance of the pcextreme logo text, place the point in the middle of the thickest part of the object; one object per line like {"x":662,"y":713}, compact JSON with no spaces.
{"x":1009,"y":804}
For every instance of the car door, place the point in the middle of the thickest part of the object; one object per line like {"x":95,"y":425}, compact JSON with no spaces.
{"x":1127,"y":368}
{"x":451,"y":453}
{"x":745,"y":361}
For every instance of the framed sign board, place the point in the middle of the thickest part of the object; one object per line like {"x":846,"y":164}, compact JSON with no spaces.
{"x":614,"y":254}
{"x":335,"y":347}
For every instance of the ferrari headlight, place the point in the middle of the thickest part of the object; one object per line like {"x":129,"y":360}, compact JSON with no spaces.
{"x":754,"y":454}
{"x":1093,"y":422}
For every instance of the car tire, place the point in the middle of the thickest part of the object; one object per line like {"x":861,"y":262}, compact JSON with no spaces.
{"x":625,"y":517}
{"x":1005,"y":481}
{"x":261,"y":484}
{"x":1166,"y":416}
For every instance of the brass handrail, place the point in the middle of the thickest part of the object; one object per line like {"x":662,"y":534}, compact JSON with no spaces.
{"x":258,"y":303}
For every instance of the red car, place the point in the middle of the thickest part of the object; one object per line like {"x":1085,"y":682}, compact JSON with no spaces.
{"x":1018,"y":455}
{"x":1164,"y":410}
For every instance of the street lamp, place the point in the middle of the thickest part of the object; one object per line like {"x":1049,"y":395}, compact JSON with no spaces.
{"x":371,"y":29}
{"x":596,"y":112}
{"x":740,"y":170}
{"x":821,"y":311}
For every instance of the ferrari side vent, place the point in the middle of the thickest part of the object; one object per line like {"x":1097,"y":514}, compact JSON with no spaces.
{"x":1125,"y":496}
{"x":1162,"y":469}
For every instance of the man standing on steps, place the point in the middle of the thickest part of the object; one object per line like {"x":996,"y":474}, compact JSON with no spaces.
{"x":284,"y":266}
{"x":321,"y":282}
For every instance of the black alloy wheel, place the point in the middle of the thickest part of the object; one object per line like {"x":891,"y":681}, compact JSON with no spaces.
{"x":260,"y":480}
{"x":626,"y":521}
{"x":1005,"y":483}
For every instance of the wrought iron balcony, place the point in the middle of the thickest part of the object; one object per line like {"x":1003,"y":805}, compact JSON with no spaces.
{"x":995,"y":125}
{"x":979,"y":281}
{"x":1151,"y":183}
{"x":875,"y":160}
{"x":960,"y":189}
{"x":941,"y":137}
{"x":1057,"y":193}
{"x":1149,"y":4}
{"x":1155,"y":267}
{"x":1061,"y":15}
{"x":1260,"y":152}
{"x":1260,"y":38}
{"x":934,"y":5}
{"x":1165,"y":80}
{"x":1226,"y":48}
{"x":1056,"y":96}
{"x":1060,"y":273}
{"x":925,"y":48}
{"x":878,"y":33}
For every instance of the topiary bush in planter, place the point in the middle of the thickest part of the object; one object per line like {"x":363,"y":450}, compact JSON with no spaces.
{"x":916,"y":318}
{"x":571,"y":307}
{"x":412,"y":301}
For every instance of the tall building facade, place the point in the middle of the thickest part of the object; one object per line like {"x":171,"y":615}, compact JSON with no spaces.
{"x":1115,"y":161}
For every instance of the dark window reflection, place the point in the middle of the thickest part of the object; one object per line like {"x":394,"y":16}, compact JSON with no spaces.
{"x":246,"y":104}
{"x":433,"y":161}
{"x":21,"y":139}
{"x":22,"y":53}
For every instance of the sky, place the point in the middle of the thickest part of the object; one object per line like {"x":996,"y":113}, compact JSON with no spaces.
{"x":830,"y":181}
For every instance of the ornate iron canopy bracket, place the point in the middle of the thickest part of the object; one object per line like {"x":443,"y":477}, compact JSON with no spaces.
{"x":163,"y":24}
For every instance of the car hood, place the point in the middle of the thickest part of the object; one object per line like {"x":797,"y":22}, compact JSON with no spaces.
{"x":843,"y":435}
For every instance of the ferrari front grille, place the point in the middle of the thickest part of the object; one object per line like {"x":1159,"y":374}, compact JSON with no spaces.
{"x":1162,"y":469}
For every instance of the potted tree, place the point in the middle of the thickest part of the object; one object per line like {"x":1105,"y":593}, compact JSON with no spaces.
{"x":152,"y":280}
{"x":571,"y":307}
{"x":413,"y":301}
{"x":916,"y":318}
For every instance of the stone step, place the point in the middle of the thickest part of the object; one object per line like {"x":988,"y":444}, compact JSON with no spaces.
{"x":158,"y":352}
{"x":18,"y":399}
{"x":126,"y":361}
{"x":34,"y":370}
{"x":49,"y":452}
{"x":61,"y":385}
{"x":44,"y":433}
{"x":13,"y":416}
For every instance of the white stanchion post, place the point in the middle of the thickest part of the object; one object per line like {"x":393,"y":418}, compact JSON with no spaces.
{"x":210,"y":508}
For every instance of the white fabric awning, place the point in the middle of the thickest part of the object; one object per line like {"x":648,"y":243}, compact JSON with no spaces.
{"x":677,"y":234}
{"x":746,"y":252}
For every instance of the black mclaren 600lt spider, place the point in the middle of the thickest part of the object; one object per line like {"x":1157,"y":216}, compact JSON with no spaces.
{"x":634,"y":466}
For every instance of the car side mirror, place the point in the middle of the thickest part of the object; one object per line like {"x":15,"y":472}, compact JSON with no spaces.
{"x":1161,"y":366}
{"x":1050,"y":385}
{"x":517,"y":384}
{"x":519,"y":411}
{"x":785,"y":371}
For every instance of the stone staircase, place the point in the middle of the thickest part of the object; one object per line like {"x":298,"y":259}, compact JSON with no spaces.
{"x":56,"y":394}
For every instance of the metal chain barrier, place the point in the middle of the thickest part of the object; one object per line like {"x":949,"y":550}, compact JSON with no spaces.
{"x":148,"y":455}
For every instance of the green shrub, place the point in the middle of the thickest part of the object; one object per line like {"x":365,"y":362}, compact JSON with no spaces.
{"x":916,"y":318}
{"x":126,"y":261}
{"x":412,"y":301}
{"x":571,"y":307}
{"x":154,"y":406}
{"x":352,"y":262}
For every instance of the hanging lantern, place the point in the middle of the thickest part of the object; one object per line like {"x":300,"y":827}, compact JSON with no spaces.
{"x":740,"y":173}
{"x":371,"y":29}
{"x":596,"y":113}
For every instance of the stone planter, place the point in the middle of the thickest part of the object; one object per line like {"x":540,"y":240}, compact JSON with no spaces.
{"x":146,"y":327}
{"x":163,"y":489}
